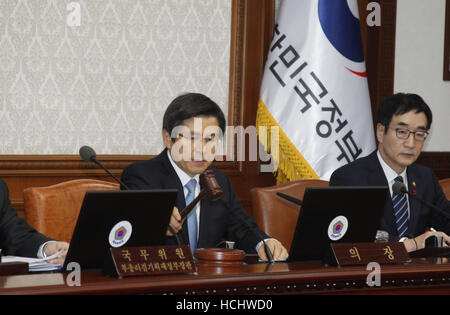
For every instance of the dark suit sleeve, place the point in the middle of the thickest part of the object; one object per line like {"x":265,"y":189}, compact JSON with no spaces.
{"x":135,"y":177}
{"x":17,"y":238}
{"x":339,"y":178}
{"x":131,"y":178}
{"x":241,"y":227}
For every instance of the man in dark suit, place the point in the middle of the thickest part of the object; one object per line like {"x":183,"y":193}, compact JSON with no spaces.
{"x":192,"y":124}
{"x":17,"y":238}
{"x":403,"y":123}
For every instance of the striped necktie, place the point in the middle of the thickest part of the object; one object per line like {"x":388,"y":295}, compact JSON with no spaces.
{"x":192,"y":217}
{"x":400,"y":210}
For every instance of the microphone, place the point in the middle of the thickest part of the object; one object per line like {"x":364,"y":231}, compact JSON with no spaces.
{"x":399,"y":189}
{"x":88,"y":155}
{"x":290,"y":198}
{"x":252,"y":228}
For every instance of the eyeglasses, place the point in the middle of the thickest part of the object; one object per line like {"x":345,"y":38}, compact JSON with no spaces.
{"x":404,"y":134}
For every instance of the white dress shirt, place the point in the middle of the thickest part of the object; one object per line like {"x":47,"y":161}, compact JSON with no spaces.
{"x":185,"y":178}
{"x":390,"y":175}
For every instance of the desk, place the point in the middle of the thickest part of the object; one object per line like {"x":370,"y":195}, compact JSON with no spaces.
{"x":424,"y":276}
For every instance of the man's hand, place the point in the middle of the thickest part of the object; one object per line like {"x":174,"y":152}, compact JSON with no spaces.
{"x":419,"y":242}
{"x":175,"y":222}
{"x":277,"y":249}
{"x":53,"y":247}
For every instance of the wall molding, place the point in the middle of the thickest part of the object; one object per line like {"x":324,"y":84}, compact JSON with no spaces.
{"x":73,"y":165}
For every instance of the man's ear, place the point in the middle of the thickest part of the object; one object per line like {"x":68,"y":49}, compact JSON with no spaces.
{"x":167,"y":139}
{"x":380,"y":132}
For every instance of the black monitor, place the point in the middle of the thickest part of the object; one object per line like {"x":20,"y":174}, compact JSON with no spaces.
{"x":119,"y":218}
{"x":336,"y":214}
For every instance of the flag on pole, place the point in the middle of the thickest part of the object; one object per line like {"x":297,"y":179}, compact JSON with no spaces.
{"x":315,"y":89}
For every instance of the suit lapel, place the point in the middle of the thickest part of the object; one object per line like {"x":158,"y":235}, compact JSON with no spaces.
{"x":204,"y":205}
{"x":376,"y":177}
{"x":172,"y":181}
{"x":414,"y":204}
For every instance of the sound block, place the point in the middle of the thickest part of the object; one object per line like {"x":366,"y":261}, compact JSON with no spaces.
{"x":220,"y":256}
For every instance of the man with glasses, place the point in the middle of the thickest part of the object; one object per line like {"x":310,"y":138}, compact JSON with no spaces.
{"x":403,"y":124}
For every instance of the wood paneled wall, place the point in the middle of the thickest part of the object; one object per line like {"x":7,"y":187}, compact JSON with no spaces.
{"x":252,"y":25}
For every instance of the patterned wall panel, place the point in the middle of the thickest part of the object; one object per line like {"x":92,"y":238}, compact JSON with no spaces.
{"x":106,"y":82}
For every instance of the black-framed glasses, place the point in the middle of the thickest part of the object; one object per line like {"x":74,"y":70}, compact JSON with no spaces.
{"x":403,"y":134}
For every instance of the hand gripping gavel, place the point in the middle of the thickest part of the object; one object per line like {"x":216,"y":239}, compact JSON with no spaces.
{"x":210,"y":188}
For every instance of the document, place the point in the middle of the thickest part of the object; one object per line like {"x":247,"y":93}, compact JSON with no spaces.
{"x":35,"y":264}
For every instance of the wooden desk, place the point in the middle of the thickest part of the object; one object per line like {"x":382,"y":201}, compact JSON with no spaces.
{"x":421,"y":276}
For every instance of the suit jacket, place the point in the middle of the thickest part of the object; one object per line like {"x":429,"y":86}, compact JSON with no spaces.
{"x":367,"y":171}
{"x":218,"y":219}
{"x":17,"y":238}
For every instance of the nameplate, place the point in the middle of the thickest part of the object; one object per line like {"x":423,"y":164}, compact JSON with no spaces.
{"x":365,"y":253}
{"x":154,"y":260}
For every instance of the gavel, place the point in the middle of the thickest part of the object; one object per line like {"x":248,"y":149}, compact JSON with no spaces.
{"x":210,"y":188}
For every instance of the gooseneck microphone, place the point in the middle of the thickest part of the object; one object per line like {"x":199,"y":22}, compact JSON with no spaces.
{"x":88,"y":155}
{"x":290,"y":198}
{"x":399,"y":188}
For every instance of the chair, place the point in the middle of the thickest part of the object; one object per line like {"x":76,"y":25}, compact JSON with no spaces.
{"x":445,"y":184}
{"x":53,"y":210}
{"x":276,"y":216}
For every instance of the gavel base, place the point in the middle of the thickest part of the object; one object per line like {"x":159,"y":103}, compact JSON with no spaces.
{"x":220,"y":256}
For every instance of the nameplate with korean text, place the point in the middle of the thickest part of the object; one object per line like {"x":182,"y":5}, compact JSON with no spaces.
{"x":153,"y":260}
{"x":364,"y":253}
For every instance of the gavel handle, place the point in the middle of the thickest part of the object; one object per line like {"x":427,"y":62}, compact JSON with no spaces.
{"x":184,"y":213}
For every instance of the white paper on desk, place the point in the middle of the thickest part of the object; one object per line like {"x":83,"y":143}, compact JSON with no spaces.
{"x":35,"y":264}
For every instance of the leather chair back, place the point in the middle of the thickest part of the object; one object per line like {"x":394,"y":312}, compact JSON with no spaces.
{"x":277,"y":216}
{"x":445,"y":184}
{"x":53,"y":210}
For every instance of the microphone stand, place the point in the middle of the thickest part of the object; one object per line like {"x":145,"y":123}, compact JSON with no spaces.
{"x":94,"y":159}
{"x":400,"y":188}
{"x":88,"y":154}
{"x":440,"y":211}
{"x":290,"y":198}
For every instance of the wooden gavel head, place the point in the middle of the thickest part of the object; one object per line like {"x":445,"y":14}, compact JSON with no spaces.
{"x":209,"y":182}
{"x":210,"y":188}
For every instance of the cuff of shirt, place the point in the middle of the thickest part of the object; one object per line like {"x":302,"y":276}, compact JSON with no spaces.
{"x":41,"y":254}
{"x":261,"y":243}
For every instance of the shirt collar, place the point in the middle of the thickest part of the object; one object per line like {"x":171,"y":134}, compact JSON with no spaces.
{"x":184,"y":178}
{"x":390,"y":174}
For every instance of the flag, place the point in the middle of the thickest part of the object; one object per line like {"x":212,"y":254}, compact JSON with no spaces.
{"x":315,"y":89}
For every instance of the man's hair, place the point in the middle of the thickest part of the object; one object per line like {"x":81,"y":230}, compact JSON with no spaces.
{"x":191,"y":105}
{"x":402,"y":103}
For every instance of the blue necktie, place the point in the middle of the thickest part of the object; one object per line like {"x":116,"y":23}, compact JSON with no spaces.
{"x":192,"y":217}
{"x":400,"y":210}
